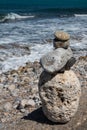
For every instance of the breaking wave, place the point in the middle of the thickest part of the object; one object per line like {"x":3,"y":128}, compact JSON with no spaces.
{"x":80,"y":15}
{"x":14,"y":16}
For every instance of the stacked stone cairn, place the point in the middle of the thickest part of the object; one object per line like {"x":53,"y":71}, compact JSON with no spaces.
{"x":59,"y":87}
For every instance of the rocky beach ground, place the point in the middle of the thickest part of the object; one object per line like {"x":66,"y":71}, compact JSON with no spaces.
{"x":20,"y":105}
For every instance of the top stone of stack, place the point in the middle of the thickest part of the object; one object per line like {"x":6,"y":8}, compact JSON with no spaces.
{"x":62,"y":36}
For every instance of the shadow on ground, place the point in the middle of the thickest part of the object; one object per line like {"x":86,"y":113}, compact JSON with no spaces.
{"x":38,"y":116}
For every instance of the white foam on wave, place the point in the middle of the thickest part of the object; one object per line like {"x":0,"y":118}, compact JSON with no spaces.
{"x":36,"y":52}
{"x":79,"y":45}
{"x":14,"y":16}
{"x":34,"y":31}
{"x":80,"y":15}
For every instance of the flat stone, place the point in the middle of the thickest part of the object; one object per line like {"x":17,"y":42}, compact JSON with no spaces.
{"x":60,"y":95}
{"x":55,"y":60}
{"x":60,"y":44}
{"x":62,"y":36}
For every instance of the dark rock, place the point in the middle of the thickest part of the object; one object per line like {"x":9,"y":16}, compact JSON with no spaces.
{"x":60,"y":44}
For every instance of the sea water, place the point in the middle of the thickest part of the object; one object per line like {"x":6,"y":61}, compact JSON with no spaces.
{"x":35,"y":30}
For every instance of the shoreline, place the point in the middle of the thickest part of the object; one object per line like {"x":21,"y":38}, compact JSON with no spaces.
{"x":19,"y":54}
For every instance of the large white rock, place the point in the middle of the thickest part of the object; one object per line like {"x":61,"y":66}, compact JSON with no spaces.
{"x":60,"y":95}
{"x":55,"y":60}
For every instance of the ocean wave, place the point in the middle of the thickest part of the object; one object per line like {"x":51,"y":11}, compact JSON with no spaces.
{"x":12,"y":63}
{"x":80,"y":15}
{"x":14,"y":16}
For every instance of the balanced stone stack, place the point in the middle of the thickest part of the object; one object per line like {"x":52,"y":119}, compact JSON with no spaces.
{"x":59,"y":88}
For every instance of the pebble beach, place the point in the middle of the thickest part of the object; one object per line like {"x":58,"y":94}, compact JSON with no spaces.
{"x":19,"y":98}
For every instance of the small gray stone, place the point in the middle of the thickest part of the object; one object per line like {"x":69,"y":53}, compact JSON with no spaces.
{"x":60,"y":95}
{"x":62,"y":36}
{"x":3,"y":120}
{"x":55,"y":60}
{"x":2,"y":79}
{"x":22,"y":110}
{"x":11,"y":87}
{"x":24,"y":102}
{"x":15,"y":92}
{"x":7,"y":106}
{"x":31,"y":102}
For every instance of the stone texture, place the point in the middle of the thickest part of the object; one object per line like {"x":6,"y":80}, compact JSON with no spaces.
{"x":62,"y":36}
{"x":60,"y":95}
{"x":60,"y":44}
{"x":54,"y":61}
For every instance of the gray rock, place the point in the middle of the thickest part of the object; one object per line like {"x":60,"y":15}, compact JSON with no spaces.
{"x":24,"y":103}
{"x":31,"y":102}
{"x":7,"y":106}
{"x":1,"y":85}
{"x":15,"y":92}
{"x":11,"y":87}
{"x":62,"y":36}
{"x":54,"y":61}
{"x":22,"y":110}
{"x":60,"y":95}
{"x":60,"y":44}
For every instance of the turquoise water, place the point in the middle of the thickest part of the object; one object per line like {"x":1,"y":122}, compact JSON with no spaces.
{"x":32,"y":5}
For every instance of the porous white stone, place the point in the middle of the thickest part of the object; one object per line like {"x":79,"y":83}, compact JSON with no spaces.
{"x":60,"y":95}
